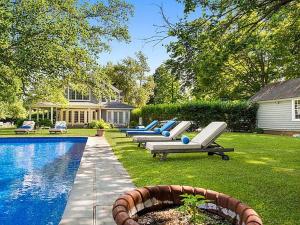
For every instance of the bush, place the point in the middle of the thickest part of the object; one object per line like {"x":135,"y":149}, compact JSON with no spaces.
{"x":44,"y":122}
{"x":240,"y":116}
{"x":99,"y":124}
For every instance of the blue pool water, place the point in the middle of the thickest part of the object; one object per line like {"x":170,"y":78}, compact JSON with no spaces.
{"x":36,"y":176}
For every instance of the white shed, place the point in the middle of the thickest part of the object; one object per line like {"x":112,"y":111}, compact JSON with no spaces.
{"x":279,"y":107}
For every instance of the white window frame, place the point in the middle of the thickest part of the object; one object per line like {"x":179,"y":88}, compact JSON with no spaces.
{"x":293,"y":109}
{"x":79,"y":100}
{"x":118,"y":119}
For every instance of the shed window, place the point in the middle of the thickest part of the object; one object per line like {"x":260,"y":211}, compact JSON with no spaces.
{"x":296,"y":109}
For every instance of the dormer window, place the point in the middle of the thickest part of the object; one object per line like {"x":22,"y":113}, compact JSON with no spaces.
{"x":74,"y":95}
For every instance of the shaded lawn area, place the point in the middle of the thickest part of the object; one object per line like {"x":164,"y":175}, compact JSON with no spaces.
{"x":263,"y":172}
{"x":9,"y":132}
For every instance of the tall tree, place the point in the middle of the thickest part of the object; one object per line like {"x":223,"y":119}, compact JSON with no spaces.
{"x":167,"y":87}
{"x":231,"y":52}
{"x":55,"y":43}
{"x":129,"y":75}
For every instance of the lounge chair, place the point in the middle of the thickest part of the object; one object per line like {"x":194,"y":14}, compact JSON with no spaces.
{"x":174,"y":133}
{"x":157,"y":131}
{"x":60,"y":127}
{"x":26,"y":128}
{"x":141,"y":128}
{"x":202,"y":142}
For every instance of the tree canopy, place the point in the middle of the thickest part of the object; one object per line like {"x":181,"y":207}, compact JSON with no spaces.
{"x":235,"y":47}
{"x":46,"y":45}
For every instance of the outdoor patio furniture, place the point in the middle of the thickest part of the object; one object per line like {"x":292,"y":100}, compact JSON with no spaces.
{"x":141,"y":128}
{"x":27,"y":127}
{"x":174,"y":133}
{"x":202,"y":142}
{"x":60,"y":127}
{"x":157,"y":131}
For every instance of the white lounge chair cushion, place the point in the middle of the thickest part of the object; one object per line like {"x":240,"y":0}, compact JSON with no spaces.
{"x":60,"y":124}
{"x":26,"y":123}
{"x":171,"y":145}
{"x":201,"y":140}
{"x":151,"y":138}
{"x":209,"y":133}
{"x":178,"y":130}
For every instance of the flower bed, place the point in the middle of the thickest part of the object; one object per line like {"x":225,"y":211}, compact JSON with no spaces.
{"x":148,"y":199}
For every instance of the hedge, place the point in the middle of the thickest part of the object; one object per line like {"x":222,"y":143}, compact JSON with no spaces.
{"x":240,"y":116}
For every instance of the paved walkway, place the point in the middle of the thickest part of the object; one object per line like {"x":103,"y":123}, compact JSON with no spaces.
{"x":99,"y":181}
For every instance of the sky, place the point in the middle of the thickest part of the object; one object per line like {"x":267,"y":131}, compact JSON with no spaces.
{"x":141,"y":26}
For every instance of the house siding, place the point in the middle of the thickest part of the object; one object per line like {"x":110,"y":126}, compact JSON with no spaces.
{"x":276,"y":115}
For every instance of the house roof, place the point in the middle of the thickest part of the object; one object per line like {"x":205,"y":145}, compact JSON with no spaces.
{"x":117,"y":105}
{"x":280,"y":90}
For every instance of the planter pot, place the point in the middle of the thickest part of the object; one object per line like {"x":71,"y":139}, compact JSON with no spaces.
{"x":100,"y":132}
{"x":148,"y":199}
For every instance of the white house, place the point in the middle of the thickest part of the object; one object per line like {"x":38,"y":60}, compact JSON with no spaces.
{"x":279,"y":107}
{"x":82,"y":109}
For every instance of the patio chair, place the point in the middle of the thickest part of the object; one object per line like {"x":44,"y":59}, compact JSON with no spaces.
{"x":59,"y":127}
{"x":141,"y":128}
{"x":173,"y":134}
{"x":202,"y":142}
{"x":26,"y":128}
{"x":157,"y":131}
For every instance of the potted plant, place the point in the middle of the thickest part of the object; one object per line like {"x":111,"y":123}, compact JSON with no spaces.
{"x":101,"y":125}
{"x":197,"y":204}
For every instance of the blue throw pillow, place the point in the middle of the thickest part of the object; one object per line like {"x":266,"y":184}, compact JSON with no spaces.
{"x":185,"y":139}
{"x":166,"y":133}
{"x":157,"y":130}
{"x":26,"y":127}
{"x":60,"y":127}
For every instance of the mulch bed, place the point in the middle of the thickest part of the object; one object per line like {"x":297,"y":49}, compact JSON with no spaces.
{"x":175,"y":217}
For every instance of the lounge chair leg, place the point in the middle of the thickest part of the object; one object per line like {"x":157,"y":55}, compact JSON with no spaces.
{"x":154,"y":155}
{"x":163,"y":157}
{"x":223,"y":156}
{"x":139,"y":145}
{"x":210,"y":153}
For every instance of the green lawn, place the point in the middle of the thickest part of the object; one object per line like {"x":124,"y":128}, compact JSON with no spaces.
{"x":9,"y":132}
{"x":264,"y":171}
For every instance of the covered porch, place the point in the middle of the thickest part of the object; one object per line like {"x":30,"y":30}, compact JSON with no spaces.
{"x":73,"y":114}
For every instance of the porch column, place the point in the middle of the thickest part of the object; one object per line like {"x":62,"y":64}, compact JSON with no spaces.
{"x":128,"y":122}
{"x":51,"y":114}
{"x":43,"y":115}
{"x":85,"y":117}
{"x":61,"y":114}
{"x":37,"y":115}
{"x":67,"y":116}
{"x":90,"y":115}
{"x":100,"y":116}
{"x":30,"y":112}
{"x":72,"y":117}
{"x":48,"y":114}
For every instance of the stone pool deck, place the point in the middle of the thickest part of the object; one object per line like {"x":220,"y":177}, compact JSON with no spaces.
{"x":99,"y":181}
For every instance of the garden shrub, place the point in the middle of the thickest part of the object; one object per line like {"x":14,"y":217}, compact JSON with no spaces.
{"x":240,"y":116}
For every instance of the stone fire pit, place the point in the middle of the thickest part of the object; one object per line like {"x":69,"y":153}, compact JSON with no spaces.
{"x":148,"y":199}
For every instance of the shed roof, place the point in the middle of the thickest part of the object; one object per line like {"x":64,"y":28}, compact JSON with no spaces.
{"x":279,"y":90}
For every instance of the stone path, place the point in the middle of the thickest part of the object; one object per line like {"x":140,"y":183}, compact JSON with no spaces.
{"x":99,"y":181}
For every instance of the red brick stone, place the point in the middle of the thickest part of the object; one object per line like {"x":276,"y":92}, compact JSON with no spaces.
{"x":211,"y":195}
{"x":248,"y":212}
{"x":131,"y":205}
{"x":147,"y":201}
{"x":121,"y":218}
{"x":165,"y":194}
{"x":188,"y":190}
{"x":232,"y":204}
{"x":223,"y":200}
{"x":117,"y":209}
{"x":254,"y":219}
{"x":241,"y":209}
{"x":176,"y":191}
{"x":253,"y":223}
{"x":137,"y":198}
{"x":154,"y":191}
{"x":121,"y":202}
{"x":131,"y":222}
{"x":199,"y":191}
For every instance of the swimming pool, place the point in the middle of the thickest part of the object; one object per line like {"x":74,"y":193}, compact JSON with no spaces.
{"x":36,"y":176}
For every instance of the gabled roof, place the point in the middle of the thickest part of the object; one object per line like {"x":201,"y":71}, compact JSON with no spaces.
{"x":117,"y":105}
{"x":280,"y":90}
